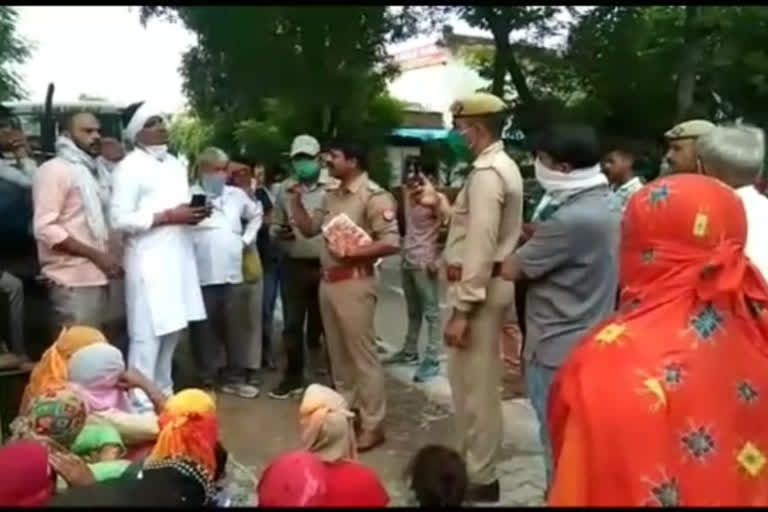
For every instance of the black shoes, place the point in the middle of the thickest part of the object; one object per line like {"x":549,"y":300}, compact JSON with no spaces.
{"x":286,"y":389}
{"x":488,"y":493}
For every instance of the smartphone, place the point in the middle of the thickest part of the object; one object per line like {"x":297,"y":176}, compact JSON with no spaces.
{"x":413,"y":177}
{"x":198,"y":201}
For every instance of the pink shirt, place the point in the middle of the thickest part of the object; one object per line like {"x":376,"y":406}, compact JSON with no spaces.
{"x":59,"y":213}
{"x":422,"y":230}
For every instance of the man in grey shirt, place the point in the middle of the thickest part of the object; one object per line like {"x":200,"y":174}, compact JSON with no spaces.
{"x":570,"y":262}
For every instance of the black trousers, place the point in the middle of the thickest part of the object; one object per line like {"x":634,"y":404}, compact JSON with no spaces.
{"x":299,"y":292}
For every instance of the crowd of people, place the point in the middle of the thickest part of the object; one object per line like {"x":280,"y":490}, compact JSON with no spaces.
{"x":621,"y":298}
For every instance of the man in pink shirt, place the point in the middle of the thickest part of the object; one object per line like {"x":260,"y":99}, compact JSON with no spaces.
{"x":71,"y":226}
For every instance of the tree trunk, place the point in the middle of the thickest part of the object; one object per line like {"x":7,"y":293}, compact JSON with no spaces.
{"x":686,"y":84}
{"x":518,"y":78}
{"x":499,"y":74}
{"x":504,"y":56}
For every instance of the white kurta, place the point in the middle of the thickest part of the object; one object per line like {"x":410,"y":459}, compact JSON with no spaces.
{"x":162,"y":287}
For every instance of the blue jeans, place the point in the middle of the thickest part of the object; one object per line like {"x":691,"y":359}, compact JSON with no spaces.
{"x":422,"y":300}
{"x":538,"y":380}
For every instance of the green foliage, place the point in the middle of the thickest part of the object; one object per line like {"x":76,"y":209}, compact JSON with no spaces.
{"x":190,"y":135}
{"x":13,"y":51}
{"x":262,"y":75}
{"x":622,"y":66}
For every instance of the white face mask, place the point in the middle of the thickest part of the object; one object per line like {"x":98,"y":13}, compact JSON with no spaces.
{"x":159,"y":151}
{"x":555,"y":181}
{"x":549,"y":179}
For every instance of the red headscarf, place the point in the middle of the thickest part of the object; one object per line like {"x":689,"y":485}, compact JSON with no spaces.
{"x":27,"y":478}
{"x":667,"y":402}
{"x":301,"y":479}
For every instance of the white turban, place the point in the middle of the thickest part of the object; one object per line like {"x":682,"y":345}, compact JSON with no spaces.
{"x":139,"y":119}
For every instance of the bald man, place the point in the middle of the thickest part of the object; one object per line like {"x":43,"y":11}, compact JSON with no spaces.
{"x":70,"y":226}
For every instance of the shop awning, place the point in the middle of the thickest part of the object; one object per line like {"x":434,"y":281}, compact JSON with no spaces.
{"x":420,"y":133}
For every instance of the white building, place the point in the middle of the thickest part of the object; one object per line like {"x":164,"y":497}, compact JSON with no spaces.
{"x":433,"y":75}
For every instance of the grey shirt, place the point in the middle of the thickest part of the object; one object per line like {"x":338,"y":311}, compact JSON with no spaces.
{"x":572,"y":264}
{"x":300,"y":247}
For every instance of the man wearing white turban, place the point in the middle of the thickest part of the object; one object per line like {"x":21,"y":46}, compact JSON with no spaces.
{"x":150,"y":206}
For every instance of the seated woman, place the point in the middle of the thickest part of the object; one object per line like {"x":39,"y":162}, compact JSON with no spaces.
{"x":327,"y":433}
{"x":438,"y":477}
{"x":28,"y":479}
{"x":51,"y":371}
{"x":180,"y":470}
{"x":56,"y":419}
{"x":662,"y":405}
{"x":98,"y":374}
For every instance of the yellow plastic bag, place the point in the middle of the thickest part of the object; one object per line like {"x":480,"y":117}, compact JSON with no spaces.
{"x":252,"y":270}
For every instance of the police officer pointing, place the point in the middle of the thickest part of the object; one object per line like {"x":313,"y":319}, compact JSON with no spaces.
{"x":485,"y":226}
{"x":347,"y":290}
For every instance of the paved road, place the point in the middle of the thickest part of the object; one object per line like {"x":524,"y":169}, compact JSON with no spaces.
{"x":257,"y":430}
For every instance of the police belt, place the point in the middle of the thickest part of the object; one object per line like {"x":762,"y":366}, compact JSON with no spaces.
{"x":453,"y":272}
{"x":335,"y":274}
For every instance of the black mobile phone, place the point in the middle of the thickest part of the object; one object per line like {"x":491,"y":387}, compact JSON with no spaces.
{"x":198,"y":201}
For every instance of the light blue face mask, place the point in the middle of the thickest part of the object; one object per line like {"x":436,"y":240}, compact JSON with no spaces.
{"x":213,"y":184}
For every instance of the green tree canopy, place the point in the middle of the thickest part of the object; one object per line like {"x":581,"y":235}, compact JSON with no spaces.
{"x":261,"y":75}
{"x":13,"y":51}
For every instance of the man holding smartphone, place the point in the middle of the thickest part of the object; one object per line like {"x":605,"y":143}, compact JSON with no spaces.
{"x":301,"y":266}
{"x":150,"y":206}
{"x":219,"y":241}
{"x":424,"y":215}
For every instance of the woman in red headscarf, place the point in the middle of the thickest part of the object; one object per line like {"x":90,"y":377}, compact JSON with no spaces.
{"x":28,"y":479}
{"x":666,"y":404}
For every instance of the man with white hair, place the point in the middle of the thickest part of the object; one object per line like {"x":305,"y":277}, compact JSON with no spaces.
{"x":735,"y":155}
{"x":219,"y":241}
{"x":150,"y":206}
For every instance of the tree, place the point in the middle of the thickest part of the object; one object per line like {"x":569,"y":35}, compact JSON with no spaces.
{"x":266,"y":74}
{"x":502,"y":22}
{"x":13,"y":51}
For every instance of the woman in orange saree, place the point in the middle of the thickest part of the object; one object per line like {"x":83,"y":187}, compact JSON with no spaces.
{"x":666,"y":403}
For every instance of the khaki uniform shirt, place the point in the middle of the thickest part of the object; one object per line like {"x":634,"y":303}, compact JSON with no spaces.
{"x":366,"y":204}
{"x":485,"y":224}
{"x":312,"y":198}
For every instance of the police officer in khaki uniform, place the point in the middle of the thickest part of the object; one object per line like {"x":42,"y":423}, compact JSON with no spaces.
{"x":681,"y":151}
{"x":347,"y":290}
{"x":485,"y":226}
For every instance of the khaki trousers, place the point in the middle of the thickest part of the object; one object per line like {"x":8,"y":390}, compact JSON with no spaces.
{"x":511,"y":345}
{"x":348,"y":308}
{"x":474,"y":374}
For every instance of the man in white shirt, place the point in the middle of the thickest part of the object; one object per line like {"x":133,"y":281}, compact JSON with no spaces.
{"x":618,"y":165}
{"x":219,"y":242}
{"x":150,"y":206}
{"x":735,"y":155}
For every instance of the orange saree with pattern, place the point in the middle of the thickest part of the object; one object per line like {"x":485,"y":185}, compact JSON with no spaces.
{"x":666,"y":404}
